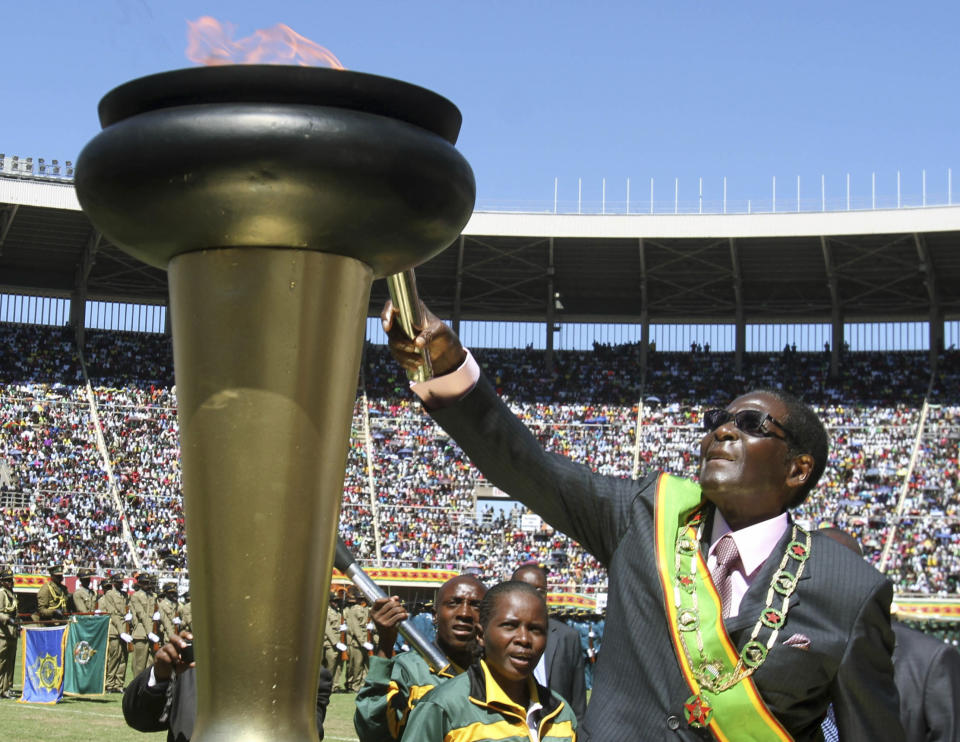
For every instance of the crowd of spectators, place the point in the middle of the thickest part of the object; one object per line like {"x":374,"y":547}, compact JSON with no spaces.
{"x":66,"y":492}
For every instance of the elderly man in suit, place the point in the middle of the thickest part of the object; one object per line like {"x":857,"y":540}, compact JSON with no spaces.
{"x":726,"y":619}
{"x":561,"y":665}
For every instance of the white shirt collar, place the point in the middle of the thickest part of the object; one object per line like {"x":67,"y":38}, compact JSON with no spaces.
{"x":532,"y":724}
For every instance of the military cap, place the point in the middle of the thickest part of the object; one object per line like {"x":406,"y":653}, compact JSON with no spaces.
{"x":169,"y":587}
{"x":6,"y":573}
{"x":85,"y":572}
{"x":56,"y":569}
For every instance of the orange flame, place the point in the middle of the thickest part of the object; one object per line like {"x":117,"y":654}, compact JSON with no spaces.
{"x":211,"y":43}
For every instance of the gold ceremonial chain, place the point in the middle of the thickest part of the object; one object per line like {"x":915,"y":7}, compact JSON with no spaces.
{"x":709,"y":673}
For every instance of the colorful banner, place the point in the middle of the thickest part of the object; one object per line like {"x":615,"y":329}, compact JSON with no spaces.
{"x":28,"y":583}
{"x":85,"y":672}
{"x":572,"y":600}
{"x":920,"y":609}
{"x":42,"y":663}
{"x":399,"y":576}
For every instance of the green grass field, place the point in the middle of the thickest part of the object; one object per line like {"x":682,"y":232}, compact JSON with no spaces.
{"x":100,"y":718}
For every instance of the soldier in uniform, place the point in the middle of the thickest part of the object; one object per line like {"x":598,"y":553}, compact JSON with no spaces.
{"x":9,"y":629}
{"x":84,"y":599}
{"x":186,"y":613}
{"x":169,"y":612}
{"x":583,"y":628}
{"x":599,"y":623}
{"x":142,"y":609}
{"x":333,"y":647}
{"x":356,"y":616}
{"x":52,"y":597}
{"x":113,"y":602}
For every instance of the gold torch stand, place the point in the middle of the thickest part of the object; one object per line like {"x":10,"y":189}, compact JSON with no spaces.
{"x":273,"y":196}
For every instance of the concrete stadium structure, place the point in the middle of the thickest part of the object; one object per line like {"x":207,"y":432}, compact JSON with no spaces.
{"x":888,"y":265}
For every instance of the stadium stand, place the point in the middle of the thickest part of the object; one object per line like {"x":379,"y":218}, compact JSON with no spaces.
{"x":418,"y":507}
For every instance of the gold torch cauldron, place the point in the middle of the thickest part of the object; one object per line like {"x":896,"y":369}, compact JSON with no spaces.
{"x":273,"y":196}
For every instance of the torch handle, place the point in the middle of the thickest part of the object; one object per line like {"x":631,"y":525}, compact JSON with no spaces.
{"x":344,"y":561}
{"x":403,"y":294}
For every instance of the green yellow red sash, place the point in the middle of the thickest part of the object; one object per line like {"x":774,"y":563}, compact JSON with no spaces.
{"x":738,"y":712}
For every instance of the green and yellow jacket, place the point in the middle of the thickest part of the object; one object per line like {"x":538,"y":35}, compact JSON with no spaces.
{"x":474,"y":708}
{"x":392,"y":688}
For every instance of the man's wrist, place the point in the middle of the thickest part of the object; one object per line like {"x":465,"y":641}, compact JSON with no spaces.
{"x":444,"y":391}
{"x":154,"y":682}
{"x":387,"y":639}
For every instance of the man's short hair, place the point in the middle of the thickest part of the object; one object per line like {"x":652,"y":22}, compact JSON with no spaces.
{"x":533,"y":566}
{"x":807,"y":435}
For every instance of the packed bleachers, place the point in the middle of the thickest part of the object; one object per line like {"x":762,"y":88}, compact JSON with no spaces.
{"x":56,"y":475}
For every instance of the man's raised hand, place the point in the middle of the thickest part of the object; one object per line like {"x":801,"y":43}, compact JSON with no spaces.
{"x":446,"y":352}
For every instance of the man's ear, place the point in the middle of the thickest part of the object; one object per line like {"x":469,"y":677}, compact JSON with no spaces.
{"x":800,"y":470}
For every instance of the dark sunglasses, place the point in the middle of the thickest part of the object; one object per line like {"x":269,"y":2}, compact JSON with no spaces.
{"x":751,"y":422}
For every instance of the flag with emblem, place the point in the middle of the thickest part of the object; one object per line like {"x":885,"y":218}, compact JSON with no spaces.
{"x":43,"y":663}
{"x":85,"y":658}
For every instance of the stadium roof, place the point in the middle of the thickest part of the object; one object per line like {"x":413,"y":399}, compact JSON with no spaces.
{"x":869,"y":265}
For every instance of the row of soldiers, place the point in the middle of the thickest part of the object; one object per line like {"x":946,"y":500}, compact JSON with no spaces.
{"x":140,"y":621}
{"x":349,"y":639}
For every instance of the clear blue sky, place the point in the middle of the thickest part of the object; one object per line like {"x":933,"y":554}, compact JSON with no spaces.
{"x":565,"y":89}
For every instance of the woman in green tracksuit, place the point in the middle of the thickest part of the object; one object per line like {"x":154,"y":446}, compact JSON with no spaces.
{"x":497,"y":697}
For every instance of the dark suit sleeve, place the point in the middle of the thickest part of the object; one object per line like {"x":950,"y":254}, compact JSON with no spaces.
{"x":142,"y":706}
{"x":593,"y":509}
{"x":864,"y":696}
{"x":941,"y":696}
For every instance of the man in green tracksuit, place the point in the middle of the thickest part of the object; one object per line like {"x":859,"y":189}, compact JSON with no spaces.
{"x":394,"y":685}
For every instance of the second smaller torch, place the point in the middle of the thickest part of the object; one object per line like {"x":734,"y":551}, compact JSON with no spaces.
{"x":344,"y":561}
